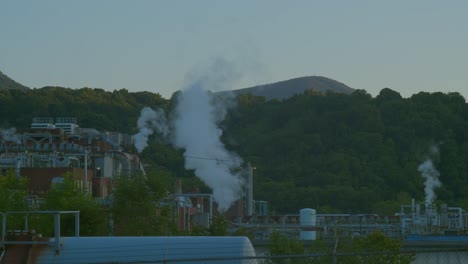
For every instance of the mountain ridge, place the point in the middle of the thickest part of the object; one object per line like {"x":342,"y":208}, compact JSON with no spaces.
{"x":288,"y":88}
{"x":6,"y":83}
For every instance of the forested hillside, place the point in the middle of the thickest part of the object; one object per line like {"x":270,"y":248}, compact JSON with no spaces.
{"x":112,"y":111}
{"x":352,"y":153}
{"x":6,"y":83}
{"x":333,"y":152}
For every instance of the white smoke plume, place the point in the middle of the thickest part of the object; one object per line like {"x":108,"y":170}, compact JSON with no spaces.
{"x":147,"y":122}
{"x":431,"y":176}
{"x":9,"y":135}
{"x":197,"y":132}
{"x":198,"y":114}
{"x":195,"y":128}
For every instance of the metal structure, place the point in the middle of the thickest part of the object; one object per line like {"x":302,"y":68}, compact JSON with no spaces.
{"x":249,"y":202}
{"x":22,"y":247}
{"x":89,"y":155}
{"x":413,"y":219}
{"x":424,"y":219}
{"x":25,"y":231}
{"x":184,"y":205}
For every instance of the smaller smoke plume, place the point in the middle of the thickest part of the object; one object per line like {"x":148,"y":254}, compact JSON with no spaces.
{"x":431,"y":176}
{"x":148,"y":121}
{"x":9,"y":135}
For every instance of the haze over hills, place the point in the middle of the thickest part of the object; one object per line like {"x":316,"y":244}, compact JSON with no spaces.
{"x":6,"y":83}
{"x":288,"y":88}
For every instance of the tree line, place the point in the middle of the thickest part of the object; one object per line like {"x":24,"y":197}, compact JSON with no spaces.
{"x":352,"y":153}
{"x":329,"y":151}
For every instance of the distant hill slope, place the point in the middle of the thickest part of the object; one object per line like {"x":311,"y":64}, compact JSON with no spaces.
{"x":9,"y":84}
{"x":286,"y":89}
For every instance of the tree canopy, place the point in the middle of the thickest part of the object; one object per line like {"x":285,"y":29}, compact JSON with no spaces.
{"x":329,"y":151}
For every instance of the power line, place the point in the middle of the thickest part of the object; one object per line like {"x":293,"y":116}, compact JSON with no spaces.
{"x":212,"y":159}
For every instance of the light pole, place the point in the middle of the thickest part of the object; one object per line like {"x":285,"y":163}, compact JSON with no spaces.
{"x":249,"y":192}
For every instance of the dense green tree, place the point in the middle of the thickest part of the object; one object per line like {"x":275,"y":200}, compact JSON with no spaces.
{"x":136,"y":210}
{"x":13,"y":192}
{"x":357,"y":151}
{"x":379,"y":242}
{"x":66,"y":196}
{"x":13,"y":197}
{"x":219,"y":226}
{"x":334,"y":152}
{"x":280,"y":244}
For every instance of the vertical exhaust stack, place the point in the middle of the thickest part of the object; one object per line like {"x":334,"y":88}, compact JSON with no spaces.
{"x":249,"y":202}
{"x":443,"y":215}
{"x":178,"y":186}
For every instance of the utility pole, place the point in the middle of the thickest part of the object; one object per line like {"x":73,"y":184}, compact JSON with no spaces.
{"x":249,"y":191}
{"x":85,"y":171}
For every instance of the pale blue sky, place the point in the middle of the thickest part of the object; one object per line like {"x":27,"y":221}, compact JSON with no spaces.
{"x":408,"y":46}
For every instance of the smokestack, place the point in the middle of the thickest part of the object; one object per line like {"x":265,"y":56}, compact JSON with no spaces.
{"x":178,"y":186}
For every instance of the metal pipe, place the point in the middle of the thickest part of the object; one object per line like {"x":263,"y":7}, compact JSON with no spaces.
{"x":17,"y":167}
{"x":460,"y":215}
{"x":57,"y":232}
{"x":26,"y":222}
{"x":3,"y":226}
{"x":42,"y":212}
{"x":211,"y":211}
{"x":77,"y":224}
{"x":210,"y":196}
{"x":26,"y":243}
{"x":86,"y":170}
{"x":249,"y":193}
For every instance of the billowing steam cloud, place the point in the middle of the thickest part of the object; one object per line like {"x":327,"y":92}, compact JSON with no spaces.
{"x":9,"y":135}
{"x":431,"y":176}
{"x":197,"y":132}
{"x":147,"y":122}
{"x":195,"y":128}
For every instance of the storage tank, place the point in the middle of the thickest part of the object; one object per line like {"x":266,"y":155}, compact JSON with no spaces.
{"x":307,"y":218}
{"x":75,"y":250}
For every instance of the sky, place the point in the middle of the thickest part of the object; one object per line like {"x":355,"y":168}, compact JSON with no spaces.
{"x":154,"y":45}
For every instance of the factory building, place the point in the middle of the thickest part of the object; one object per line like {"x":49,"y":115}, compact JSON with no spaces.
{"x":54,"y":148}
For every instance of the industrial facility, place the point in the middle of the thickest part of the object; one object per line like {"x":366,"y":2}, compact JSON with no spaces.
{"x":413,"y":221}
{"x":25,"y":246}
{"x":51,"y":149}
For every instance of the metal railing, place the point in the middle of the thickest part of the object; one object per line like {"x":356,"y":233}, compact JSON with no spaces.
{"x":26,"y":214}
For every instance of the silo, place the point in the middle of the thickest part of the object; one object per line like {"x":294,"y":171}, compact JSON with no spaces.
{"x":308,"y":220}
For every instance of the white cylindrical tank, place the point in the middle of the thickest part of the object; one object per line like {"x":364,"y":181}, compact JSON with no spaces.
{"x":308,"y":217}
{"x":148,"y":250}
